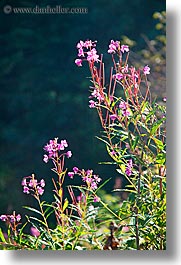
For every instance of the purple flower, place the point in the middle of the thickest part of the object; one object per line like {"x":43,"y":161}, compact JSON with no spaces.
{"x":113,"y":46}
{"x":92,"y":104}
{"x":80,"y":44}
{"x":129,"y":167}
{"x":18,"y":217}
{"x":24,"y":183}
{"x":88,"y":44}
{"x":96,"y":178}
{"x":122,"y":105}
{"x":12,"y":218}
{"x":69,"y":154}
{"x":71,"y":174}
{"x":75,"y":169}
{"x":34,"y":231}
{"x":40,"y":190}
{"x":32,"y":183}
{"x":81,"y":52}
{"x":3,"y":217}
{"x":146,"y":70}
{"x":126,"y":112}
{"x":78,"y":62}
{"x":26,"y":190}
{"x":92,"y":55}
{"x":113,"y":117}
{"x":118,"y":76}
{"x":124,"y":48}
{"x":93,"y":185}
{"x":96,"y":199}
{"x":64,"y":143}
{"x":42,"y":183}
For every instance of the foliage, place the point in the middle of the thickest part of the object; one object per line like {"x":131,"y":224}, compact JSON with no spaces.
{"x":134,"y":135}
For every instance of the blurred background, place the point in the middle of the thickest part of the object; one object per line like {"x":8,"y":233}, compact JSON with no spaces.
{"x":43,"y":94}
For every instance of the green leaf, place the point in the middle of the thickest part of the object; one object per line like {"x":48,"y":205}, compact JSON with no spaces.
{"x":156,"y":125}
{"x":32,"y":209}
{"x":158,"y":143}
{"x":65,"y":205}
{"x":161,"y":158}
{"x":2,"y":236}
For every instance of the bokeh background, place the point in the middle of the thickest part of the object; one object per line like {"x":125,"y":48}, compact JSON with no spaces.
{"x":43,"y":94}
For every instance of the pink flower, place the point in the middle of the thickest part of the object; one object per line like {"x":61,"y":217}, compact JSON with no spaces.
{"x":118,"y":76}
{"x":71,"y":174}
{"x":93,"y":185}
{"x":92,"y":55}
{"x":3,"y":217}
{"x":80,"y":44}
{"x":81,"y":52}
{"x":124,"y":48}
{"x":75,"y":169}
{"x":45,"y":158}
{"x":32,"y":183}
{"x":92,"y":104}
{"x":12,"y":218}
{"x":126,"y":112}
{"x":125,"y":229}
{"x":42,"y":183}
{"x":69,"y":154}
{"x":26,"y":190}
{"x":88,"y":44}
{"x":146,"y":70}
{"x":113,"y":46}
{"x":18,"y":217}
{"x":113,"y":117}
{"x":96,"y":199}
{"x":78,"y":62}
{"x":34,"y":231}
{"x":40,"y":190}
{"x":23,"y":183}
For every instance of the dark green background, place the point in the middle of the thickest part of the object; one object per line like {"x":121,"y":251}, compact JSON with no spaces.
{"x":44,"y":95}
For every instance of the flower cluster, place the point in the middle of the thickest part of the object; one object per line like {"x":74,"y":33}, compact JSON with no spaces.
{"x":129,"y":167}
{"x":86,"y":51}
{"x":30,"y":184}
{"x":53,"y":148}
{"x":115,"y":46}
{"x":87,"y":176}
{"x":12,"y":218}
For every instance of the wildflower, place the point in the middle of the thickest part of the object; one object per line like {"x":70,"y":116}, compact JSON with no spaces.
{"x":81,"y":52}
{"x":3,"y":217}
{"x":94,"y":185}
{"x":32,"y":183}
{"x":88,"y":44}
{"x":126,"y":113}
{"x":122,"y":105}
{"x":45,"y":158}
{"x":80,"y":44}
{"x":129,"y":167}
{"x":42,"y":183}
{"x":96,"y":178}
{"x":78,"y":62}
{"x":40,"y":190}
{"x":18,"y":217}
{"x":75,"y":169}
{"x":113,"y":46}
{"x":69,"y":154}
{"x":118,"y":76}
{"x":71,"y":174}
{"x":24,"y":183}
{"x":34,"y":231}
{"x":125,"y":229}
{"x":124,"y":48}
{"x":92,"y":104}
{"x":164,"y":99}
{"x":64,"y":143}
{"x":96,"y":199}
{"x":26,"y":190}
{"x":113,"y":117}
{"x":146,"y":70}
{"x":92,"y":55}
{"x":12,"y":218}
